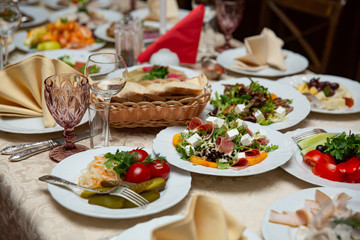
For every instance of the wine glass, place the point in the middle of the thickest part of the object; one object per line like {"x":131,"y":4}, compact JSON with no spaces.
{"x":67,"y":98}
{"x":107,"y":73}
{"x":10,"y":19}
{"x":229,"y":14}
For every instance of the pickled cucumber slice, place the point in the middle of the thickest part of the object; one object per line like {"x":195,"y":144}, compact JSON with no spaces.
{"x":309,"y":141}
{"x":151,"y":196}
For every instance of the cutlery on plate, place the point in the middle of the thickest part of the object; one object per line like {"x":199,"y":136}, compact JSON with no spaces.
{"x":299,"y":136}
{"x":314,"y":100}
{"x":126,"y":193}
{"x":22,"y":151}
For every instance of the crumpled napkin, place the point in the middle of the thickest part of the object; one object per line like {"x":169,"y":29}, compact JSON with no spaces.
{"x":262,"y":51}
{"x":172,"y":11}
{"x":206,"y":220}
{"x":22,"y":87}
{"x":183,"y":38}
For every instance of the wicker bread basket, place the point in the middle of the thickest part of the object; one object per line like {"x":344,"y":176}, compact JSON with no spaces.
{"x":157,"y":113}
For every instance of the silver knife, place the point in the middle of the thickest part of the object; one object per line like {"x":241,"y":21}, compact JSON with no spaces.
{"x":34,"y":148}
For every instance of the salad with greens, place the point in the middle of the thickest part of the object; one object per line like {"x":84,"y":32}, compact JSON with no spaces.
{"x":252,"y":103}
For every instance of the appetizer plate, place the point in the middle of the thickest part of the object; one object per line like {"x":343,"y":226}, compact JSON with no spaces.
{"x":163,"y":145}
{"x":294,"y":63}
{"x":54,"y":4}
{"x":100,"y":32}
{"x":144,"y":230}
{"x":295,"y":201}
{"x":299,"y":102}
{"x":39,"y":15}
{"x":33,"y":125}
{"x":141,"y":13}
{"x":19,"y":39}
{"x":301,"y":170}
{"x":177,"y":187}
{"x":109,"y":15}
{"x":187,"y":71}
{"x":351,"y":85}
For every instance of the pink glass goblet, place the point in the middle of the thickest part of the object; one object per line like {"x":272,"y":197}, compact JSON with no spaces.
{"x":67,"y":98}
{"x":229,"y":15}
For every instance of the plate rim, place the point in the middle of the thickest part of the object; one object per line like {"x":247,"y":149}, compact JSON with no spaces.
{"x":29,"y":9}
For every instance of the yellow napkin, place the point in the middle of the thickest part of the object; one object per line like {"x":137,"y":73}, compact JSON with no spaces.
{"x":172,"y":11}
{"x":262,"y":51}
{"x":22,"y":88}
{"x":206,"y":220}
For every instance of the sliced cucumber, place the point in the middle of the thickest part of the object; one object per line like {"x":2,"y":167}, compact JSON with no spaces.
{"x":309,"y":141}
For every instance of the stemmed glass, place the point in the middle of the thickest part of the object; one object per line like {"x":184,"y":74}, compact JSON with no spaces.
{"x":67,"y":98}
{"x":10,"y":19}
{"x":107,"y":73}
{"x":229,"y":15}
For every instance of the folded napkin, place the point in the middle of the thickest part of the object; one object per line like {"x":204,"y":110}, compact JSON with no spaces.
{"x":22,"y":88}
{"x":183,"y":38}
{"x":172,"y":11}
{"x":262,"y":51}
{"x":206,"y":220}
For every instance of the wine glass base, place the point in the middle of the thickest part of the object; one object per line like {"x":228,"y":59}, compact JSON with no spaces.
{"x":60,"y":153}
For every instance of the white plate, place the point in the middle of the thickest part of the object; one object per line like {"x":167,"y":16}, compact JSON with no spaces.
{"x":19,"y":39}
{"x":163,"y":145}
{"x":177,"y":187}
{"x":141,"y":13}
{"x":39,"y":15}
{"x":299,"y":102}
{"x":100,"y":32}
{"x":301,"y":170}
{"x":96,"y":3}
{"x":294,"y":63}
{"x":109,"y":15}
{"x":295,"y":201}
{"x":144,"y":230}
{"x":351,"y":85}
{"x":28,"y":2}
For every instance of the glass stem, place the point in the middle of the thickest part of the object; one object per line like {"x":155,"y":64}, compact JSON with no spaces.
{"x":69,"y":136}
{"x":228,"y":37}
{"x":106,"y":125}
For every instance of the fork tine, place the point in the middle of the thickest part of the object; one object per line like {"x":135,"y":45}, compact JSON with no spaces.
{"x":308,"y":133}
{"x":136,"y":196}
{"x":131,"y":199}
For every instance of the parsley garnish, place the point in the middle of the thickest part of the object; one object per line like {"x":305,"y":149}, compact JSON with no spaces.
{"x":326,"y":91}
{"x":156,"y":72}
{"x":343,"y":147}
{"x":120,"y":161}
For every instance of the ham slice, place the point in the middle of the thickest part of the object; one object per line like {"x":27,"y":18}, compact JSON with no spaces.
{"x":263,"y":141}
{"x":291,"y":219}
{"x":241,"y":163}
{"x":224,"y":144}
{"x":193,"y":123}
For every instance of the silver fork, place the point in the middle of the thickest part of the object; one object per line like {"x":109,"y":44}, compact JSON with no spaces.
{"x":116,"y":191}
{"x":306,"y":134}
{"x":314,"y":100}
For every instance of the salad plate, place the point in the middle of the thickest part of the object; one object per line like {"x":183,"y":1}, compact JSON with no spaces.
{"x":38,"y":14}
{"x":301,"y":106}
{"x":100,"y":32}
{"x":177,"y":187}
{"x":54,"y":4}
{"x":143,"y":230}
{"x":19,"y":39}
{"x":352,"y":85}
{"x":294,"y":63}
{"x":163,"y":145}
{"x":298,"y":168}
{"x":295,"y":201}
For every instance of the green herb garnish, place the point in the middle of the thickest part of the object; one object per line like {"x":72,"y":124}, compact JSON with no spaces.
{"x":343,"y":147}
{"x":351,"y":221}
{"x":326,"y":91}
{"x":157,"y":72}
{"x":120,"y":161}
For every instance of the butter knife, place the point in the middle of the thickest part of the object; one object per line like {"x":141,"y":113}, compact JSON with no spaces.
{"x":35,"y":148}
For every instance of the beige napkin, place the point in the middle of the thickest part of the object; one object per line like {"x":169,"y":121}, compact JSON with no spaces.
{"x":262,"y":51}
{"x":206,"y":220}
{"x":22,"y":88}
{"x":172,"y":11}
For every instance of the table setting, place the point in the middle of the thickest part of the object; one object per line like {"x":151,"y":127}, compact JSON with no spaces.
{"x":122,"y":137}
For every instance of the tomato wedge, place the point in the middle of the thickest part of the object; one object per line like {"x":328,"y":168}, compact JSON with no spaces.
{"x":350,"y":165}
{"x":316,"y":157}
{"x":353,"y":177}
{"x":328,"y":171}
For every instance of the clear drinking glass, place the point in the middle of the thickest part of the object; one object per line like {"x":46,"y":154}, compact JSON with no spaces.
{"x":67,"y":98}
{"x":229,"y":15}
{"x":107,"y":73}
{"x":10,"y":19}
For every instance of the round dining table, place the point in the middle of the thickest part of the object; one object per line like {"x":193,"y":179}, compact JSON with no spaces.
{"x":28,"y":211}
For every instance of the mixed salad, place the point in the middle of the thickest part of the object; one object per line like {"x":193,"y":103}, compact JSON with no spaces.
{"x":77,"y":65}
{"x":252,"y":103}
{"x":222,"y":144}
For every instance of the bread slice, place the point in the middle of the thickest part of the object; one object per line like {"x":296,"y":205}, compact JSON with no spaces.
{"x":132,"y":92}
{"x":183,"y":88}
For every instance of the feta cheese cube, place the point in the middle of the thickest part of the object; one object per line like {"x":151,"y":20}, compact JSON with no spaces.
{"x":239,"y":108}
{"x":262,"y":132}
{"x":217,"y":122}
{"x":194,"y":140}
{"x":280,"y":111}
{"x":240,"y":155}
{"x":246,"y":140}
{"x":241,"y":123}
{"x":211,"y":120}
{"x":220,"y":122}
{"x":188,"y":150}
{"x":231,"y":134}
{"x":259,"y":115}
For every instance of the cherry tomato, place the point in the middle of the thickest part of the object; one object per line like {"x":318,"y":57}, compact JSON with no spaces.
{"x":315,"y":157}
{"x":137,"y":173}
{"x":353,"y":177}
{"x":350,"y":165}
{"x":328,"y":171}
{"x":140,"y":154}
{"x":159,"y":168}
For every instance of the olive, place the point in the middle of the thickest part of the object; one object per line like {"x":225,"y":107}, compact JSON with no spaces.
{"x":321,"y":148}
{"x":334,"y":85}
